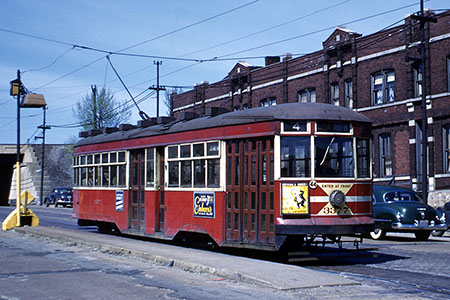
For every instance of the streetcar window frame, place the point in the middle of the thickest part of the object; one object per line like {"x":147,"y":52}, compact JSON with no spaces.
{"x":101,"y":170}
{"x":290,"y":127}
{"x":334,"y":127}
{"x":361,"y":150}
{"x":193,"y":165}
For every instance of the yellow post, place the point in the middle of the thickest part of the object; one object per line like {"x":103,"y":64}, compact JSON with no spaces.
{"x":21,"y":211}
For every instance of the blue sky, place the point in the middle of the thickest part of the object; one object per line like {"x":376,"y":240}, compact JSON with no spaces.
{"x":38,"y":37}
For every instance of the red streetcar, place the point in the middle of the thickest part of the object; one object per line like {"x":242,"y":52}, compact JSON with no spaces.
{"x":255,"y":178}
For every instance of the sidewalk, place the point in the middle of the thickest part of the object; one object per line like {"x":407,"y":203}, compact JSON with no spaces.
{"x":273,"y":275}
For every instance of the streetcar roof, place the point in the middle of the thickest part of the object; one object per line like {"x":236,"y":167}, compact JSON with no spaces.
{"x":286,"y":111}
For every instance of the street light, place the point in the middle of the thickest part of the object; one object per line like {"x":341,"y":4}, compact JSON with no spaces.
{"x":30,"y":100}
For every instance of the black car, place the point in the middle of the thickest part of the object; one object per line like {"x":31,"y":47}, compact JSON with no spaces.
{"x":397,"y":209}
{"x":60,"y":196}
{"x":444,"y":215}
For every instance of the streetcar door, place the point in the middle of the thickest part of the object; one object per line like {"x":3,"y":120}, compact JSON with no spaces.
{"x":136,"y":213}
{"x":250,"y":191}
{"x":160,"y":205}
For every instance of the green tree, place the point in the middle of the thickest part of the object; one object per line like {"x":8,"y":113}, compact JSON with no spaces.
{"x":99,"y":109}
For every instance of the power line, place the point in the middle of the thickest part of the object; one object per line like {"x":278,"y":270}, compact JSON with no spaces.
{"x":267,"y":29}
{"x":127,"y":48}
{"x":191,"y":25}
{"x":316,"y":31}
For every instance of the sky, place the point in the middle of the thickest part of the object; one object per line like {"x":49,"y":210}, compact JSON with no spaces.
{"x":61,"y":47}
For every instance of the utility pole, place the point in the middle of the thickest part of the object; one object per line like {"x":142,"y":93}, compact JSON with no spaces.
{"x":94,"y":98}
{"x":157,"y":88}
{"x":43,"y":127}
{"x":422,"y":21}
{"x":18,"y":170}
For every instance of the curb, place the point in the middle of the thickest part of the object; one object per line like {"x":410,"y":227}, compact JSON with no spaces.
{"x":162,"y":260}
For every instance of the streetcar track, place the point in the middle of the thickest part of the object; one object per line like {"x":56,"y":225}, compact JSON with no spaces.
{"x":417,"y":280}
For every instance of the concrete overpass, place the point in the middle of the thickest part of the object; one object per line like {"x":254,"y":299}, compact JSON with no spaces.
{"x":58,"y":170}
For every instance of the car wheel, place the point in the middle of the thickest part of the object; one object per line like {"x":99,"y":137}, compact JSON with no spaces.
{"x":437,"y":233}
{"x":422,"y":235}
{"x":377,"y":233}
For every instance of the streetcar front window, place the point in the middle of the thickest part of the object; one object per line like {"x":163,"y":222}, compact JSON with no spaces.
{"x":334,"y":156}
{"x":295,"y":156}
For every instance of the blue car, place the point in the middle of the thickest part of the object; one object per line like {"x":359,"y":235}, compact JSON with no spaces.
{"x":60,"y":196}
{"x":397,"y":209}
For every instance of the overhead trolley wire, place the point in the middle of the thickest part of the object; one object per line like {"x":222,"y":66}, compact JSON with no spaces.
{"x":315,"y":31}
{"x":267,"y":29}
{"x":127,"y":48}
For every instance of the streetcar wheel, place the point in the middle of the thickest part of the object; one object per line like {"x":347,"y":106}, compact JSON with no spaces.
{"x":378,"y":233}
{"x":438,"y":233}
{"x":422,"y":235}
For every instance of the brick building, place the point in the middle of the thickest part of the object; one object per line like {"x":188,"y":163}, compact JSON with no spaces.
{"x":370,"y":74}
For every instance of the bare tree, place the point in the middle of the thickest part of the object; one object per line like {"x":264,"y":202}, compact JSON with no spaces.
{"x":168,"y":99}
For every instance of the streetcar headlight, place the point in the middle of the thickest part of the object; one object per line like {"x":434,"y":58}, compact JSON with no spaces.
{"x":337,"y":198}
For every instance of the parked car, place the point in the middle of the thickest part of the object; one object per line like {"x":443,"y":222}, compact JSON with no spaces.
{"x":59,"y":196}
{"x":444,"y":215}
{"x":397,"y":209}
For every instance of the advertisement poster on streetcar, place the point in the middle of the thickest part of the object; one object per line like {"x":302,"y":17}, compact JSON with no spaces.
{"x":295,"y":199}
{"x":204,"y":205}
{"x":119,"y":200}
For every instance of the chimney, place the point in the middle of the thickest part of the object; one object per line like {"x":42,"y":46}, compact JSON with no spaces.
{"x":270,"y":60}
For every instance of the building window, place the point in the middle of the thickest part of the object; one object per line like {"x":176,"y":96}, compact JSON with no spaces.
{"x":307,"y":95}
{"x":269,"y":101}
{"x":446,"y":148}
{"x":385,"y":155}
{"x":448,"y":73}
{"x":418,"y":81}
{"x":348,"y":93}
{"x":334,"y":95}
{"x":383,"y":87}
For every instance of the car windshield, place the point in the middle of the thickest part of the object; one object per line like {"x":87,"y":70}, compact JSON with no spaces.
{"x":401,"y":196}
{"x":63,"y":191}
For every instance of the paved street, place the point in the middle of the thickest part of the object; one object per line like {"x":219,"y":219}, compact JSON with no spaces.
{"x":59,"y":268}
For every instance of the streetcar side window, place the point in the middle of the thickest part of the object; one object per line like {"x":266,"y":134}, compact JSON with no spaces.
{"x":101,"y":170}
{"x":150,"y":166}
{"x":363,"y":158}
{"x":194,"y":165}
